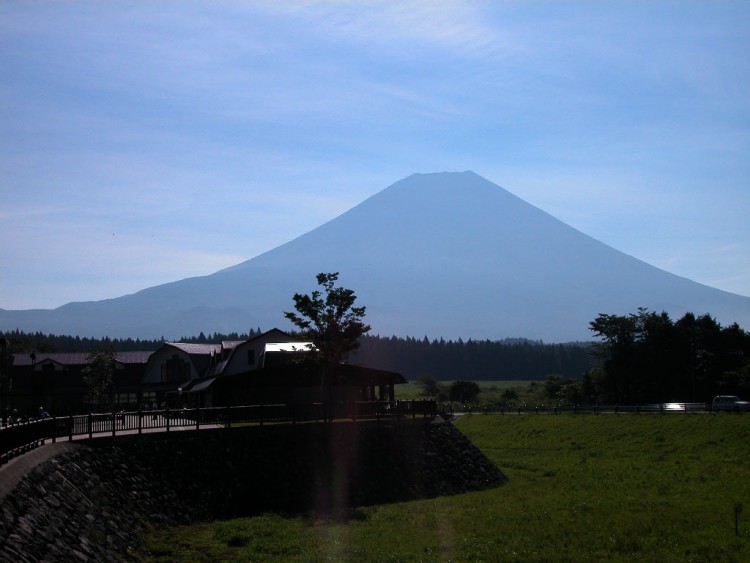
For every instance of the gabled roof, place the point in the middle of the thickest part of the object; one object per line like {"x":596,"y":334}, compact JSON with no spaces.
{"x":78,"y":358}
{"x":281,"y":341}
{"x":196,"y":349}
{"x":200,"y":355}
{"x":208,"y":349}
{"x":284,"y":336}
{"x":219,"y":368}
{"x":198,"y":385}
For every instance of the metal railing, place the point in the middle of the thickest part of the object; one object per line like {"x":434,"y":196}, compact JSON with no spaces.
{"x":19,"y":438}
{"x":596,"y":408}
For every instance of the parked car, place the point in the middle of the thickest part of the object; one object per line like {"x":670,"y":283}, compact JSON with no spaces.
{"x":729,"y":403}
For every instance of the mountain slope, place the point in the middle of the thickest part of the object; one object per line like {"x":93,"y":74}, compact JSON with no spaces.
{"x":448,"y":255}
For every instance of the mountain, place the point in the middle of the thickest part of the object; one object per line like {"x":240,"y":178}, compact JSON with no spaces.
{"x":444,"y":255}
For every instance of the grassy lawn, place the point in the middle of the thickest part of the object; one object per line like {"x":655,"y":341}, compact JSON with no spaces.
{"x":581,"y":488}
{"x":491,"y":390}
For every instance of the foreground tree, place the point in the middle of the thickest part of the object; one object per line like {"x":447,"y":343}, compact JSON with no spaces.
{"x":99,"y":374}
{"x":329,"y":319}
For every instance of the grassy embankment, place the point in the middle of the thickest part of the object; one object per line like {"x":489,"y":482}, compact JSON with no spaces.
{"x":581,"y":487}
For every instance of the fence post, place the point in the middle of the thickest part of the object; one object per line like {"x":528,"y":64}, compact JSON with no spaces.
{"x":70,"y":428}
{"x":260,"y":414}
{"x":114,"y":423}
{"x":197,"y":418}
{"x":165,"y":414}
{"x":54,"y":429}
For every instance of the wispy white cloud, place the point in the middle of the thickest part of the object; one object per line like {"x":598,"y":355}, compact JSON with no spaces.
{"x":451,"y":26}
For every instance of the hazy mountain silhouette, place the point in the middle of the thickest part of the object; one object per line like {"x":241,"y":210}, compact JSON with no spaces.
{"x":444,"y":255}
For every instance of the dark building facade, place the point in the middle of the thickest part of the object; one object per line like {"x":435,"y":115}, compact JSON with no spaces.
{"x":273,"y":367}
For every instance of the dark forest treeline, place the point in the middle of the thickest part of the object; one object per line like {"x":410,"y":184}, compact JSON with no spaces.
{"x":648,"y":357}
{"x":22,"y":342}
{"x":640,"y":358}
{"x":512,"y":359}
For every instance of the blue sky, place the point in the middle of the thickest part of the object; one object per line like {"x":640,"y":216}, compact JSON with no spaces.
{"x":145,"y":142}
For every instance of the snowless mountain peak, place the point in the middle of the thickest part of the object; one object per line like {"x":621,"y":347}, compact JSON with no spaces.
{"x":447,"y":254}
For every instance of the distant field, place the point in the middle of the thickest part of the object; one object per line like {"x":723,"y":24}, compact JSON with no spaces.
{"x":581,"y":487}
{"x":412,"y":390}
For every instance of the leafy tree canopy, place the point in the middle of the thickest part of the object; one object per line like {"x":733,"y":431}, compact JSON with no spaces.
{"x":99,"y":373}
{"x":330,"y":319}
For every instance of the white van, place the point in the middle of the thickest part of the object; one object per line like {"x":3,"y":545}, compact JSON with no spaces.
{"x":729,"y":403}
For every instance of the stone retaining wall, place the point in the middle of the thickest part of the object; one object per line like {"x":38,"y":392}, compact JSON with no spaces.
{"x":93,"y":503}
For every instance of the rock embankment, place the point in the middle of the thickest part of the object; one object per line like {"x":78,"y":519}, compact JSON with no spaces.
{"x":87,"y":505}
{"x":93,"y":503}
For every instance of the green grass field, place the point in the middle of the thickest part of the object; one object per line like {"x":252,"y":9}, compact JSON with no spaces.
{"x":491,"y":390}
{"x":581,"y":488}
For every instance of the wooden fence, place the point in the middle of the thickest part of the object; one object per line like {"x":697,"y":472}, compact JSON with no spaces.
{"x":18,"y":438}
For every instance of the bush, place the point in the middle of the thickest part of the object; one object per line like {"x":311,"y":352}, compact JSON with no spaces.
{"x":464,"y":391}
{"x":432,"y":388}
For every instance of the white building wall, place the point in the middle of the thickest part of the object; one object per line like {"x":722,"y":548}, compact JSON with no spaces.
{"x":239,"y":361}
